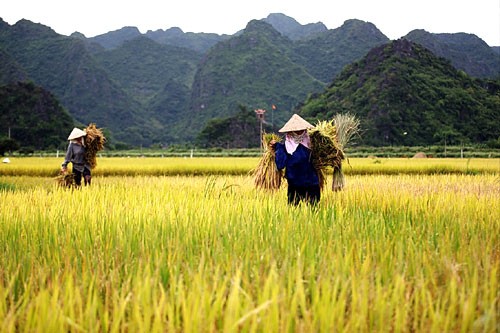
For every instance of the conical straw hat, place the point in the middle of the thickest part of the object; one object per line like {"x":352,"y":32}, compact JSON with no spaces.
{"x":296,"y":123}
{"x":76,"y":133}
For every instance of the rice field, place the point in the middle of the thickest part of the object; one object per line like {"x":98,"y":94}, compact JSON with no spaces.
{"x":205,"y":166}
{"x":167,"y":245}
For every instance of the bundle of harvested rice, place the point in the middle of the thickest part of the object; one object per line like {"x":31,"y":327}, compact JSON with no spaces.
{"x":94,"y":142}
{"x":338,"y":182}
{"x":65,"y":179}
{"x":329,"y":139}
{"x":326,"y":151}
{"x":266,"y":174}
{"x":347,"y":127}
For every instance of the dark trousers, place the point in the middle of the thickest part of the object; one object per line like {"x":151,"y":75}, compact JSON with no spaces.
{"x":78,"y":176}
{"x":309,"y":194}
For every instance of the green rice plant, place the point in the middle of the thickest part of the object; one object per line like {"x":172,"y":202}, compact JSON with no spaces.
{"x":6,"y":187}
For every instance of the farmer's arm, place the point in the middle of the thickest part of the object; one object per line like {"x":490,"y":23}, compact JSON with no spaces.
{"x":281,"y":155}
{"x":67,"y":158}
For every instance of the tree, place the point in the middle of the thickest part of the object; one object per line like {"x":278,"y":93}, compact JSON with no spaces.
{"x":8,"y":145}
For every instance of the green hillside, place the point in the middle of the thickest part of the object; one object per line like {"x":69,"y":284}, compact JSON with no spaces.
{"x":63,"y":66}
{"x":241,"y":130}
{"x":113,"y":39}
{"x":465,"y":51}
{"x":253,"y":69}
{"x":405,"y":95}
{"x":10,"y":71}
{"x":325,"y":55}
{"x":199,"y":42}
{"x":292,"y":29}
{"x":33,"y":117}
{"x":143,"y":67}
{"x":170,"y":87}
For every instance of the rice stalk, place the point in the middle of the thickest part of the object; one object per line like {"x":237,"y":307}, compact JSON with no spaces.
{"x":347,"y":126}
{"x":94,"y":142}
{"x":338,"y":182}
{"x":266,"y":174}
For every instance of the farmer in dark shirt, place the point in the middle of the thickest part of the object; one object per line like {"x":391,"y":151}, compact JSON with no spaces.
{"x":76,"y":155}
{"x":294,"y":155}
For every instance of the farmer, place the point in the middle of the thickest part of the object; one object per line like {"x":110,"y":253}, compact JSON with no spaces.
{"x":294,"y":155}
{"x":76,"y":155}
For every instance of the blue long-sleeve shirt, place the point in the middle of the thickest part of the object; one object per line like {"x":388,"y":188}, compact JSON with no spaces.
{"x":299,"y":170}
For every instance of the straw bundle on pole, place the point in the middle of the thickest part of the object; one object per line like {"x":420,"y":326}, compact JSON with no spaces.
{"x":94,"y":142}
{"x":266,"y":174}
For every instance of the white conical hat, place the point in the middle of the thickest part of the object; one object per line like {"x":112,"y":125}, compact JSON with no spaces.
{"x":296,"y":123}
{"x":76,"y":133}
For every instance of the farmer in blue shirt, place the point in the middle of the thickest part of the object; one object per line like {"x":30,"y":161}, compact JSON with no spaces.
{"x":294,"y":155}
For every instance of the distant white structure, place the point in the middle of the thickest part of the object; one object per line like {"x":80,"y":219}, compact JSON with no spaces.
{"x":6,"y":160}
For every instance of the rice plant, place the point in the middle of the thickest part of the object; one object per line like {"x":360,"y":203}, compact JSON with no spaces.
{"x":407,"y":253}
{"x":206,"y":166}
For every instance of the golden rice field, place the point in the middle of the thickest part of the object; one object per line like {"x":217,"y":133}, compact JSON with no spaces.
{"x":406,"y":247}
{"x":134,"y":166}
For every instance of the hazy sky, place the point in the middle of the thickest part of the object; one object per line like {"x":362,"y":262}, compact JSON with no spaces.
{"x":394,"y":18}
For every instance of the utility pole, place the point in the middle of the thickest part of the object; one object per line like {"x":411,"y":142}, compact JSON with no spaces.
{"x":445,"y":146}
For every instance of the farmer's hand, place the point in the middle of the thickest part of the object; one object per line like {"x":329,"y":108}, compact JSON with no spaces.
{"x":271,"y":144}
{"x":64,"y":169}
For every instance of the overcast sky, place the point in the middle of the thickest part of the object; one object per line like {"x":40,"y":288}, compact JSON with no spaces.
{"x":394,"y":18}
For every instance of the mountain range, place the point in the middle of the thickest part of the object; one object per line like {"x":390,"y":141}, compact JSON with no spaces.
{"x":166,"y":86}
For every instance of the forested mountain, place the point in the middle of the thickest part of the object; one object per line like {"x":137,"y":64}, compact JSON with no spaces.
{"x":142,"y":67}
{"x":292,"y":29}
{"x":325,"y":54}
{"x":113,"y":39}
{"x":405,"y":95}
{"x":33,"y":117}
{"x":237,"y":131}
{"x":158,"y":77}
{"x":168,"y":86}
{"x":252,"y":69}
{"x":63,"y":66}
{"x":202,"y":42}
{"x":465,"y":51}
{"x":199,"y":42}
{"x":10,"y":71}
